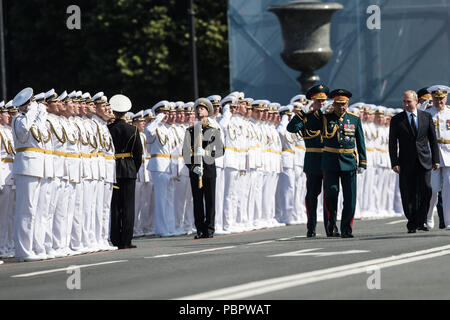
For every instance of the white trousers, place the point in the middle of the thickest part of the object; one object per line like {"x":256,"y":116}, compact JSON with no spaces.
{"x":88,"y":196}
{"x":139,"y":207}
{"x":7,"y":208}
{"x":148,"y":223}
{"x":242,"y":217}
{"x":75,"y":234}
{"x":440,"y":181}
{"x":230,"y":199}
{"x":285,"y":197}
{"x":299,"y":195}
{"x":41,"y":222}
{"x":163,"y":205}
{"x":106,"y":227}
{"x":220,"y":186}
{"x":180,"y":202}
{"x":26,"y":205}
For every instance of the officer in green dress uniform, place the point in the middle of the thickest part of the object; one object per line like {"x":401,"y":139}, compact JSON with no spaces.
{"x":313,"y":158}
{"x":343,"y":146}
{"x":422,"y":96}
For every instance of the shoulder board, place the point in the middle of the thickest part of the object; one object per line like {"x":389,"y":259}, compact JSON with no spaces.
{"x":448,"y":106}
{"x":353,"y":114}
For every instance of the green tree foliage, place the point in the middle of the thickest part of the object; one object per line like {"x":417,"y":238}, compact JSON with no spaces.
{"x":136,"y":47}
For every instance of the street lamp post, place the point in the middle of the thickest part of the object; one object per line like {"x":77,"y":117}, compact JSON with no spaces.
{"x":193,"y":52}
{"x":2,"y":52}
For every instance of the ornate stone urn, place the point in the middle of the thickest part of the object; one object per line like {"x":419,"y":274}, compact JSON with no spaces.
{"x":305,"y":28}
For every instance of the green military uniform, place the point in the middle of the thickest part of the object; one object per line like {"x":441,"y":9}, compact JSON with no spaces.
{"x":312,"y":165}
{"x":343,"y":141}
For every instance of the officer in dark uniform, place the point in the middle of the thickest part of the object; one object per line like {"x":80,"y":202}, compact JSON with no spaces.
{"x":342,"y":133}
{"x":202,"y":145}
{"x":423,"y":95}
{"x":313,"y":159}
{"x":128,"y":154}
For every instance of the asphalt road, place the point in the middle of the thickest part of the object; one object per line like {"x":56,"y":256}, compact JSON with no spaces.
{"x":381,"y":262}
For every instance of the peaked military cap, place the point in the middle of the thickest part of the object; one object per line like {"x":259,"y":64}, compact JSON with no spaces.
{"x":203,"y":102}
{"x":23,"y":97}
{"x":439,"y":91}
{"x":340,"y":95}
{"x":318,"y":92}
{"x":423,"y":94}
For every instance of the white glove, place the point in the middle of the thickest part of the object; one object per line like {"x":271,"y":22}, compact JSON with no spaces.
{"x":325,"y":107}
{"x":200,"y":152}
{"x":285,"y":118}
{"x":226,"y":109}
{"x":33,"y":107}
{"x":306,"y":107}
{"x":198,"y":170}
{"x":159,"y":117}
{"x":360,"y":170}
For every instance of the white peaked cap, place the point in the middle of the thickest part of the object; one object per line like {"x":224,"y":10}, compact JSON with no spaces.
{"x":22,"y":97}
{"x":98,"y":96}
{"x":120,"y":103}
{"x":231,"y":99}
{"x":164,"y":104}
{"x":298,"y":97}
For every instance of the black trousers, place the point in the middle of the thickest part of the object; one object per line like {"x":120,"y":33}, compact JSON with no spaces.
{"x":415,"y":190}
{"x":122,"y":212}
{"x":313,"y":190}
{"x":204,"y":204}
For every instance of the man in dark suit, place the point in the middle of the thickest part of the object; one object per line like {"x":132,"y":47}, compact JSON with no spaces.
{"x":202,"y":144}
{"x":414,"y":152}
{"x":128,"y":154}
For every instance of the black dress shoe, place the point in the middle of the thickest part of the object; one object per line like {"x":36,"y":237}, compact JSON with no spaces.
{"x":441,"y":225}
{"x":130,"y":246}
{"x":423,"y":228}
{"x":346,"y":235}
{"x":210,"y":236}
{"x":412,"y":231}
{"x":310,"y":234}
{"x":199,"y":235}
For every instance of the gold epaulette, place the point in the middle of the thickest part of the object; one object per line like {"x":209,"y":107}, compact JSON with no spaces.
{"x":354,"y":114}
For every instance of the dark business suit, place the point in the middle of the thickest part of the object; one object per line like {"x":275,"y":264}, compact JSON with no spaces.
{"x":204,"y":198}
{"x":415,"y":155}
{"x":128,"y":149}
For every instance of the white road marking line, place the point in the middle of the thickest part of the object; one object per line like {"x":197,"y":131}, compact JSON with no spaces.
{"x":262,"y":242}
{"x":307,"y":252}
{"x":190,"y":252}
{"x":63,"y":269}
{"x":397,"y":221}
{"x":275,"y":284}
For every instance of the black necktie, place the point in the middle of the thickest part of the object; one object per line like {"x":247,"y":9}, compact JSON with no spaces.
{"x":413,"y":125}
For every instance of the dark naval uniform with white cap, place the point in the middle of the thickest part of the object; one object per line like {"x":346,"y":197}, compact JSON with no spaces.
{"x":128,"y":156}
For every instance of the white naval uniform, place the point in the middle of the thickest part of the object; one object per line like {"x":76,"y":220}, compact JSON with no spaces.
{"x":242,"y":217}
{"x":440,"y":178}
{"x":43,"y":217}
{"x":108,"y":182}
{"x":285,"y":194}
{"x":148,"y":225}
{"x":73,"y":184}
{"x":7,"y":191}
{"x":220,"y":186}
{"x":160,"y":141}
{"x":232,"y":143}
{"x":300,"y":182}
{"x":253,"y":158}
{"x":28,"y":170}
{"x":367,"y":196}
{"x":276,"y":169}
{"x":142,"y":198}
{"x":183,"y":202}
{"x":258,"y":176}
{"x":100,"y":185}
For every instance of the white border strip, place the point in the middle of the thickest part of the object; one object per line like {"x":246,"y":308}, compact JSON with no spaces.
{"x":190,"y":252}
